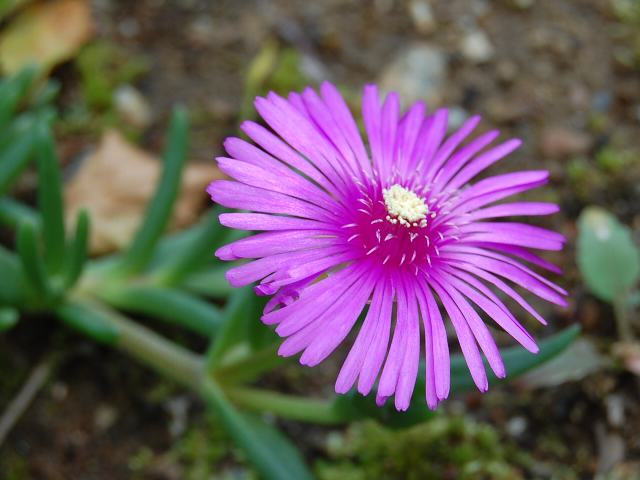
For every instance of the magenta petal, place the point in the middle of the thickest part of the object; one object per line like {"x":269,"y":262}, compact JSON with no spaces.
{"x":345,"y":227}
{"x":450,"y":145}
{"x":483,"y":161}
{"x":352,"y":366}
{"x":376,"y":353}
{"x":477,"y":327}
{"x":409,"y":369}
{"x":465,"y":339}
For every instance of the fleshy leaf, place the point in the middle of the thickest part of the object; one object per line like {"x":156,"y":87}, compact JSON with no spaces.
{"x":607,"y":257}
{"x":12,"y":91}
{"x":238,"y":312}
{"x":159,"y":210}
{"x":88,"y":321}
{"x":14,"y":159}
{"x":32,"y":261}
{"x":8,"y":318}
{"x":196,"y":250}
{"x":77,"y":255}
{"x":11,"y":278}
{"x":210,"y":283}
{"x":271,"y":453}
{"x":168,"y":304}
{"x":50,"y":199}
{"x":517,"y":361}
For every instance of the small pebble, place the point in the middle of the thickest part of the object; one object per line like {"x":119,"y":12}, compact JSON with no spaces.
{"x":422,"y":16}
{"x":132,"y":106}
{"x":457,"y":116}
{"x":516,"y":426}
{"x":477,"y":47}
{"x":178,"y":409}
{"x":602,"y":101}
{"x":104,"y":417}
{"x":417,"y":73}
{"x":615,"y":410}
{"x":59,"y":391}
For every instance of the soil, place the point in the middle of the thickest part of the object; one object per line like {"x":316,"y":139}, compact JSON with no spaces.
{"x":555,"y":79}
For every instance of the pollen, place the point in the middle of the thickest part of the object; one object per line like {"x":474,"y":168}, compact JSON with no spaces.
{"x":405,"y":207}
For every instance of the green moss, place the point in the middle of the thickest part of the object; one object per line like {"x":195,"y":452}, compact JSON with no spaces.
{"x":274,"y":68}
{"x":140,"y":461}
{"x":206,"y":451}
{"x":614,"y":160}
{"x":103,"y":67}
{"x":584,"y":178}
{"x":627,"y":11}
{"x":203,"y":451}
{"x":446,"y":447}
{"x":13,"y":466}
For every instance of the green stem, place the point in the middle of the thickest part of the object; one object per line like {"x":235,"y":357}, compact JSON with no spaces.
{"x":623,"y":324}
{"x":250,"y":367}
{"x":151,"y":349}
{"x":160,"y":354}
{"x":286,"y":406}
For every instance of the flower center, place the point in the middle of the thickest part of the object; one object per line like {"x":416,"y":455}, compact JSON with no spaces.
{"x":405,"y":207}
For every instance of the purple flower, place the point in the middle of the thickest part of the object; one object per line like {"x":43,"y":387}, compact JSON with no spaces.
{"x":394,"y":229}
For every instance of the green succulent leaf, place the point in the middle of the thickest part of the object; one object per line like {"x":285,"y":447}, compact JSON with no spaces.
{"x":32,"y":262}
{"x":354,"y":406}
{"x":607,"y":257}
{"x":8,"y":318}
{"x":13,"y":213}
{"x":77,"y":254}
{"x":197,"y":248}
{"x":159,"y":210}
{"x":271,"y":453}
{"x":50,"y":199}
{"x":12,"y":91}
{"x":517,"y":360}
{"x":168,"y":304}
{"x":13,"y":160}
{"x":209,"y":283}
{"x":11,"y":278}
{"x":90,"y":321}
{"x":46,"y":94}
{"x":239,"y":311}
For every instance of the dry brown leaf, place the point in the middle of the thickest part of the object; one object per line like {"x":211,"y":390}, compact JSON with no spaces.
{"x":115,"y":184}
{"x":46,"y":33}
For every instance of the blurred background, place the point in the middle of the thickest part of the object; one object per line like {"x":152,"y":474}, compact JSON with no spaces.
{"x":563,"y":75}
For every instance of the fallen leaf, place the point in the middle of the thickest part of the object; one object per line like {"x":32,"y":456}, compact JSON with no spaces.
{"x":115,"y":184}
{"x":46,"y":33}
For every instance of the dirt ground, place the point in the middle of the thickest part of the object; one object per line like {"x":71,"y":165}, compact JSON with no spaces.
{"x":559,"y":74}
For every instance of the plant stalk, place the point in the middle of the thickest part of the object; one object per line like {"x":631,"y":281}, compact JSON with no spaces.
{"x":142,"y":343}
{"x":250,"y":367}
{"x":623,"y":323}
{"x":286,"y":406}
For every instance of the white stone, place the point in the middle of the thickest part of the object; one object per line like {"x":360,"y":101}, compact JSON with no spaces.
{"x":132,"y":106}
{"x":418,"y":73}
{"x":477,"y":47}
{"x":422,"y":16}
